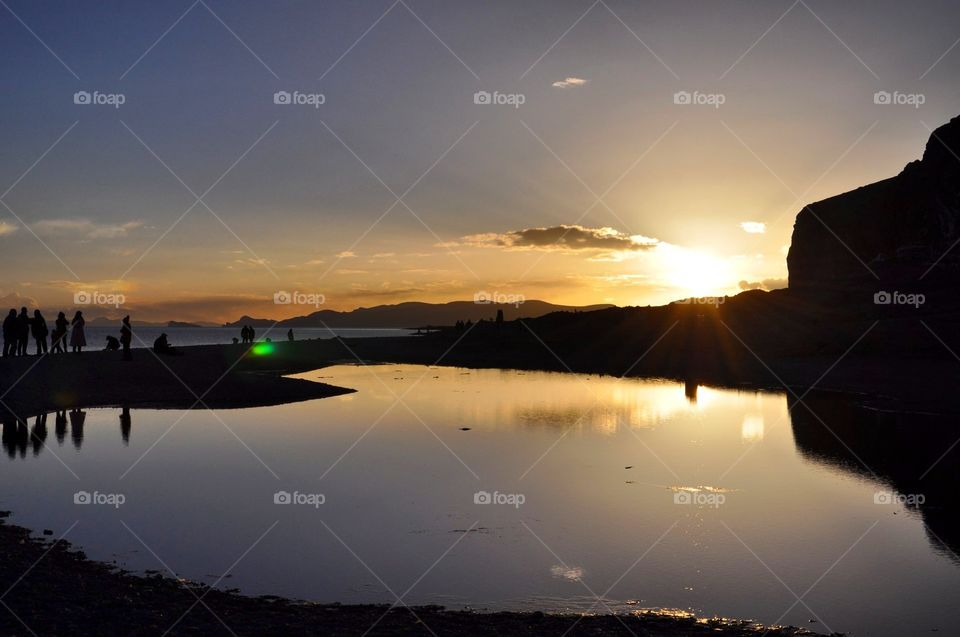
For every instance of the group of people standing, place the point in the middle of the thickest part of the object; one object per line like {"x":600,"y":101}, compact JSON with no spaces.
{"x":18,"y":328}
{"x":247,"y":334}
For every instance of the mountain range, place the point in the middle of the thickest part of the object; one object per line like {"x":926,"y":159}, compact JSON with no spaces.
{"x":415,"y":314}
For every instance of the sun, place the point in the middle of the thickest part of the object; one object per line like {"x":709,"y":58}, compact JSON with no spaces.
{"x":695,"y":273}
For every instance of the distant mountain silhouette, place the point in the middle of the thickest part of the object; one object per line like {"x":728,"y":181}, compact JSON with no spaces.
{"x":898,"y":227}
{"x":415,"y":314}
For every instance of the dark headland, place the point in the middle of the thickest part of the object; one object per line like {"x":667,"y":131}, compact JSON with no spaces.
{"x":871,"y":309}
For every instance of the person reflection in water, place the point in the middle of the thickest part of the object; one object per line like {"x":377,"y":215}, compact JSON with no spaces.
{"x":125,"y":425}
{"x":39,"y":434}
{"x":15,"y":436}
{"x":77,"y":417}
{"x":60,"y":426}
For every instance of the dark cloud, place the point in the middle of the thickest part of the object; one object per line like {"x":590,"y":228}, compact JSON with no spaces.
{"x":564,"y":237}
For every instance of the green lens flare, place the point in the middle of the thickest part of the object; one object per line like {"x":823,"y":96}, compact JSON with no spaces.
{"x":262,"y":349}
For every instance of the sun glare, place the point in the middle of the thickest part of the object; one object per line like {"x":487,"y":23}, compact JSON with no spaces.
{"x":696,"y":273}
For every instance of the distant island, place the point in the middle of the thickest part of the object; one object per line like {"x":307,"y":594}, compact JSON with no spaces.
{"x":106,"y":321}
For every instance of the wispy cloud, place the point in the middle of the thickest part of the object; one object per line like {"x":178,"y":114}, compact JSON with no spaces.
{"x":346,"y":254}
{"x":753,"y":227}
{"x":84,"y":228}
{"x":570,"y":82}
{"x":7,"y":228}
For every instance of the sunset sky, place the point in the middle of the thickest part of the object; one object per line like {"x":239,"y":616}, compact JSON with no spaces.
{"x":199,"y":197}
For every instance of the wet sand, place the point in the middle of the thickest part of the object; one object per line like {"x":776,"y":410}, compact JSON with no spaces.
{"x":215,"y":376}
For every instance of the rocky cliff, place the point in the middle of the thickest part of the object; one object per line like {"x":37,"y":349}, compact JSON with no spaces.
{"x":888,"y":235}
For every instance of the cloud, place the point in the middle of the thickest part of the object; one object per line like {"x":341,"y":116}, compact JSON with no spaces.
{"x":753,"y":227}
{"x":7,"y":228}
{"x":765,"y":284}
{"x":15,"y":300}
{"x":84,"y":228}
{"x":346,"y":254}
{"x":569,"y":82}
{"x":563,"y":238}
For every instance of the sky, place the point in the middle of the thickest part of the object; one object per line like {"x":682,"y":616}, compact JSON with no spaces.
{"x":200,"y":160}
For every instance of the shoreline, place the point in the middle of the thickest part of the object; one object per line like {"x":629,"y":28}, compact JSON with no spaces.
{"x":89,"y":597}
{"x":231,"y":376}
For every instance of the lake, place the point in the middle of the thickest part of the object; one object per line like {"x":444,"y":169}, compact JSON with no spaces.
{"x":503,"y":489}
{"x":183,"y":336}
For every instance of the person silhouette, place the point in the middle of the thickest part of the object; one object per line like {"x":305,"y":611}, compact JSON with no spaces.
{"x":235,"y":340}
{"x":126,"y":334}
{"x":10,"y":336}
{"x":78,"y":339}
{"x":251,"y":334}
{"x":290,"y":334}
{"x":163,"y":346}
{"x":59,"y":336}
{"x":113,"y":345}
{"x":244,"y":334}
{"x":38,"y":326}
{"x":23,"y":332}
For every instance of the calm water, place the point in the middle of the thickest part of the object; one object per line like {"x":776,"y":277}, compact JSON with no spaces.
{"x":648,"y":494}
{"x":182,"y":336}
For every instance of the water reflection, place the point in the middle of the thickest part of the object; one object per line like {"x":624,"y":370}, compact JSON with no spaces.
{"x":125,"y":425}
{"x":914,"y":454}
{"x":77,"y":418}
{"x":752,"y":428}
{"x":19,"y":436}
{"x":605,"y":465}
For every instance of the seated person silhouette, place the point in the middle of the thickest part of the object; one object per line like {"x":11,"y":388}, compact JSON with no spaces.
{"x":162,"y":346}
{"x":112,"y":344}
